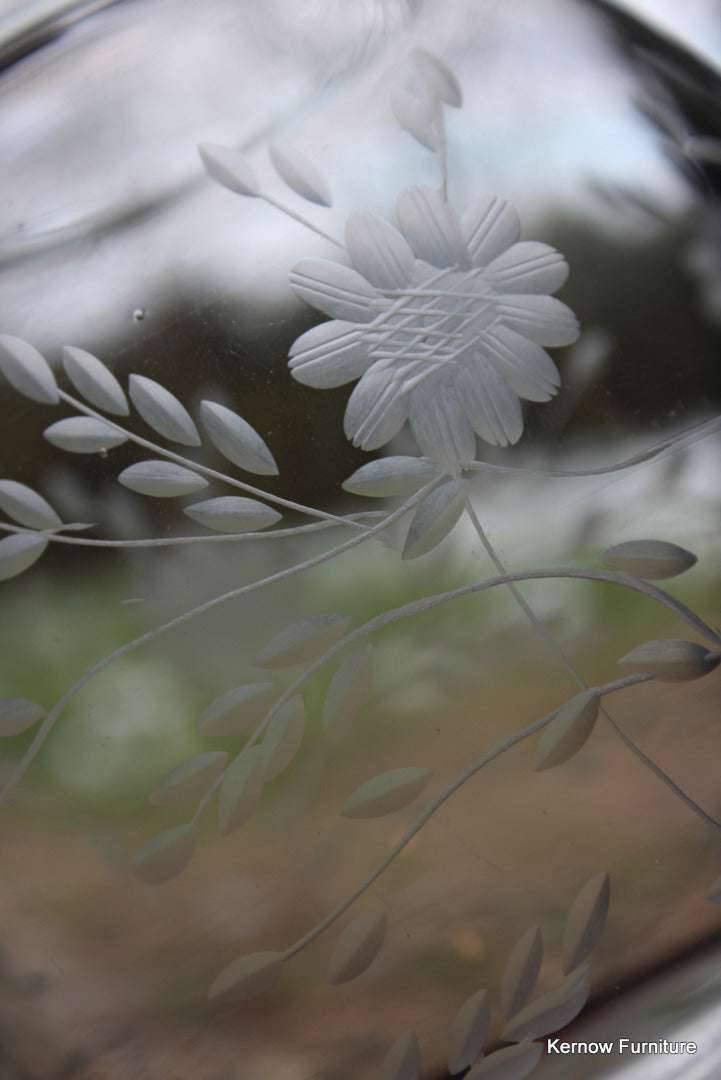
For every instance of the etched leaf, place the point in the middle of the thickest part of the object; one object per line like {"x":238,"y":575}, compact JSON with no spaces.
{"x":547,"y":1013}
{"x":438,"y":77}
{"x":17,"y":714}
{"x":357,"y":947}
{"x":25,"y":506}
{"x":248,"y":976}
{"x":233,"y":514}
{"x":236,"y":709}
{"x":521,"y":973}
{"x":94,"y":381}
{"x":26,"y":370}
{"x":84,"y":435}
{"x":299,"y":173}
{"x":714,"y":893}
{"x":18,"y":552}
{"x":166,"y":855}
{"x":189,"y":780}
{"x":304,"y":640}
{"x":653,"y":560}
{"x":240,"y":790}
{"x":162,"y":411}
{"x":578,"y":979}
{"x":416,"y":117}
{"x":585,"y":922}
{"x":512,"y":1063}
{"x":229,"y":167}
{"x":468,"y":1032}
{"x":390,"y":476}
{"x":672,"y":659}
{"x":236,"y":439}
{"x":434,"y":517}
{"x":348,"y":688}
{"x":403,"y":1060}
{"x":161,"y":479}
{"x":385,"y":793}
{"x":283,"y":738}
{"x":567,"y":731}
{"x":490,"y":226}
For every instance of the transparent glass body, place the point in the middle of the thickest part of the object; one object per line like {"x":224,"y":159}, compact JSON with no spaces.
{"x":252,"y":706}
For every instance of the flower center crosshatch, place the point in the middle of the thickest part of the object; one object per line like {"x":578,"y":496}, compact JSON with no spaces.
{"x":359,"y":516}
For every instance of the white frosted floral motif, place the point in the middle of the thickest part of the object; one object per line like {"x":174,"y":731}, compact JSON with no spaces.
{"x":443,"y":322}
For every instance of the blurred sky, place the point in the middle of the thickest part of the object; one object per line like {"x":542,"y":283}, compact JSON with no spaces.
{"x":696,"y":21}
{"x":103,"y":187}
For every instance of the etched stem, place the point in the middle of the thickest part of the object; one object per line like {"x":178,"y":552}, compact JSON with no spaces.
{"x":435,"y":804}
{"x":676,"y":442}
{"x":504,"y":579}
{"x":173,"y":541}
{"x":574,"y":673}
{"x":289,"y":212}
{"x":151,"y":635}
{"x":171,"y":455}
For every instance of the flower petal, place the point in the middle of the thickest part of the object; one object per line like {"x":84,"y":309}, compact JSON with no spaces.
{"x":528,"y":267}
{"x":333,"y":288}
{"x":378,"y":251}
{"x":491,"y":406}
{"x":489,"y":226}
{"x":541,"y":318}
{"x":431,"y":227}
{"x":526,"y":367}
{"x":439,"y":423}
{"x":328,"y":355}
{"x":377,"y":409}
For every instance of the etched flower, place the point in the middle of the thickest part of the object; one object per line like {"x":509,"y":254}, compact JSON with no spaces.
{"x":443,"y":322}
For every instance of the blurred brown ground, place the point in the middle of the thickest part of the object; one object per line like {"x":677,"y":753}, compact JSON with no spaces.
{"x":103,"y":978}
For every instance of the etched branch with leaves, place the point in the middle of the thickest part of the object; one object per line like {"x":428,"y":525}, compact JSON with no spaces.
{"x":443,"y":323}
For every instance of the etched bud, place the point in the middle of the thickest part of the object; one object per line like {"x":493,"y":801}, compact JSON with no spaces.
{"x":653,"y":560}
{"x":672,"y":659}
